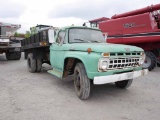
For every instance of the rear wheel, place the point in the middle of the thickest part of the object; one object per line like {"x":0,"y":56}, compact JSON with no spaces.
{"x":39,"y":65}
{"x":150,"y":61}
{"x":31,"y":63}
{"x":124,"y":84}
{"x":13,"y":55}
{"x":81,"y":82}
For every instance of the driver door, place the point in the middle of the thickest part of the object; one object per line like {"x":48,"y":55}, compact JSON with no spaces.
{"x":57,"y":51}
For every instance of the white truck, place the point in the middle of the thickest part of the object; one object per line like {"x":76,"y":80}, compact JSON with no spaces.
{"x":9,"y":44}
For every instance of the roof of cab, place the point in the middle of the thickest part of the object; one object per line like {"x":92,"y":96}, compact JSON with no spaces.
{"x":70,"y":27}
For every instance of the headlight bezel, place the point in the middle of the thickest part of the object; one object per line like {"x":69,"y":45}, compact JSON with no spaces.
{"x":103,"y":64}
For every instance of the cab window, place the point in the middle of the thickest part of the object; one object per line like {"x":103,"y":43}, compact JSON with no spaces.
{"x":61,"y":37}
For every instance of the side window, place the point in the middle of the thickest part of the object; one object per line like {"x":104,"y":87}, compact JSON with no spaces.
{"x":61,"y":37}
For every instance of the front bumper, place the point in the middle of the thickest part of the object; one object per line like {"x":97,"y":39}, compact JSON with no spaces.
{"x":119,"y":77}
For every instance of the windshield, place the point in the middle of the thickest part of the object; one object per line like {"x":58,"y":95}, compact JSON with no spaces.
{"x":78,"y":35}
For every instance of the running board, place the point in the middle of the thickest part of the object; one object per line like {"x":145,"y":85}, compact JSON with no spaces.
{"x":55,"y":72}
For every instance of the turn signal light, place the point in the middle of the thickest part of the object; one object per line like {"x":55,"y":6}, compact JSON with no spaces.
{"x":89,"y":50}
{"x":105,"y":54}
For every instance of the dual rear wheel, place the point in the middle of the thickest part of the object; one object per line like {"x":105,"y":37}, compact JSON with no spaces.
{"x":34,"y":65}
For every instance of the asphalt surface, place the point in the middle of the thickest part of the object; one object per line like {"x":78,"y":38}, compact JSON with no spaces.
{"x":41,"y":96}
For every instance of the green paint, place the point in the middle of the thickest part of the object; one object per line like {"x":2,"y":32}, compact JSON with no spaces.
{"x":63,"y":50}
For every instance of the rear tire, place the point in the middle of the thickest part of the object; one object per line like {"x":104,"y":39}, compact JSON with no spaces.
{"x":13,"y":55}
{"x":150,"y":61}
{"x":124,"y":84}
{"x":31,"y":63}
{"x":81,"y":82}
{"x":39,"y":65}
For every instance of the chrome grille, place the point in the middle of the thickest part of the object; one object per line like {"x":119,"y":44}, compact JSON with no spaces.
{"x":120,"y":63}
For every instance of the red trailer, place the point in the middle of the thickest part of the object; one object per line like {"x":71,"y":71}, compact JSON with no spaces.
{"x":140,"y":27}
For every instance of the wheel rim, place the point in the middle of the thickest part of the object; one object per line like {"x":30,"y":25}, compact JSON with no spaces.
{"x":77,"y":81}
{"x":147,"y":62}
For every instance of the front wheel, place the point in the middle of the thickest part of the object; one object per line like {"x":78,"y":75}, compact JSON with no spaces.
{"x":124,"y":84}
{"x":81,"y":82}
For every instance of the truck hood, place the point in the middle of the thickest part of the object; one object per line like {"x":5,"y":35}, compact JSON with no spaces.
{"x":103,"y":47}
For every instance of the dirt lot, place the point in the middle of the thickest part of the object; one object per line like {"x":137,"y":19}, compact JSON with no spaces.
{"x":41,"y":96}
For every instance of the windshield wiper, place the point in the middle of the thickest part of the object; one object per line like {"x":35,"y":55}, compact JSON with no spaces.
{"x":96,"y":41}
{"x":82,"y":40}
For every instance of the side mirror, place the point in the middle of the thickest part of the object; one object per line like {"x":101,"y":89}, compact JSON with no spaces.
{"x":105,"y":36}
{"x":51,"y":35}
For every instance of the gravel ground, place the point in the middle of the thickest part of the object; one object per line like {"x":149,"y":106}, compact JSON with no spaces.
{"x":41,"y":96}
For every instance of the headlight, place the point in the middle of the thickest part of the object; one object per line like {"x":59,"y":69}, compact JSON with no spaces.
{"x":103,"y":64}
{"x":142,"y":58}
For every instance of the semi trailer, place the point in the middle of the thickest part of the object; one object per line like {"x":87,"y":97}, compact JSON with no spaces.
{"x":83,"y":52}
{"x":139,"y":27}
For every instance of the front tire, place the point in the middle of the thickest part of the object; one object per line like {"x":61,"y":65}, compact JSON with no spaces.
{"x":124,"y":84}
{"x":150,"y":61}
{"x":81,"y":82}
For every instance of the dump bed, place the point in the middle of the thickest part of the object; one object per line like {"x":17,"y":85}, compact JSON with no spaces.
{"x":36,"y":41}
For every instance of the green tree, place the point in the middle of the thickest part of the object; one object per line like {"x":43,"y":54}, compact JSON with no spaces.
{"x":17,"y":34}
{"x":28,"y":34}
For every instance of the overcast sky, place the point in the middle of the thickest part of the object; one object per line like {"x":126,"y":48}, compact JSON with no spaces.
{"x":61,"y":13}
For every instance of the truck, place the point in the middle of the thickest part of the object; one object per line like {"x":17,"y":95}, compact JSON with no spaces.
{"x":139,"y":27}
{"x":83,"y":53}
{"x":9,"y":44}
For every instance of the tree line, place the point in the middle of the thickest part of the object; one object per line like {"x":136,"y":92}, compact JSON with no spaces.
{"x":25,"y":35}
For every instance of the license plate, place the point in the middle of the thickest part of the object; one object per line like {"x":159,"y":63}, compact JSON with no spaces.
{"x":129,"y":75}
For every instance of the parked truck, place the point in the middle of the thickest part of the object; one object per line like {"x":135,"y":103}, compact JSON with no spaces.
{"x":83,"y":52}
{"x":140,"y":27}
{"x":9,"y":44}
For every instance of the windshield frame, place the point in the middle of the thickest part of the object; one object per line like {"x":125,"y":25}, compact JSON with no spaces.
{"x":86,"y":40}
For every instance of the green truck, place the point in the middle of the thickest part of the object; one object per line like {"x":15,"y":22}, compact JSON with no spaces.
{"x":83,"y":52}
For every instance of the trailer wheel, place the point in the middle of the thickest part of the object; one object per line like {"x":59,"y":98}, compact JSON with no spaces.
{"x":150,"y":61}
{"x":124,"y":84}
{"x":81,"y":82}
{"x":13,"y":55}
{"x":31,"y":63}
{"x":39,"y":65}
